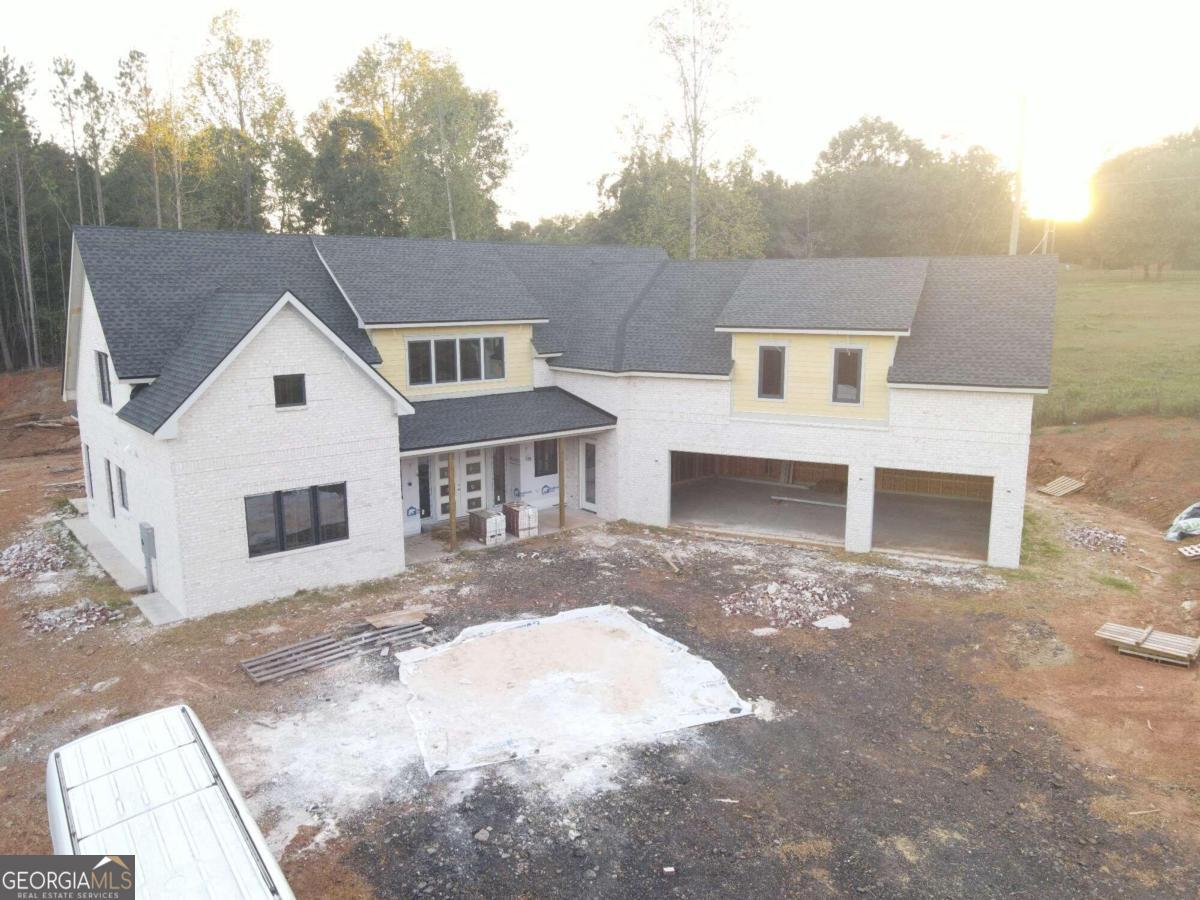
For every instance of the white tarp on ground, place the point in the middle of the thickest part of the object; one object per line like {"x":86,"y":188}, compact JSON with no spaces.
{"x":560,"y":684}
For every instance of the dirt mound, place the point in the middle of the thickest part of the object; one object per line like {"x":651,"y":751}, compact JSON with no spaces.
{"x":33,"y":416}
{"x":1142,"y":465}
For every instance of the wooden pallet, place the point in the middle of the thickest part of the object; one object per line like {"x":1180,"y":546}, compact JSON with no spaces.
{"x":1192,"y":552}
{"x":318,"y":652}
{"x":1148,"y":643}
{"x":1061,"y":486}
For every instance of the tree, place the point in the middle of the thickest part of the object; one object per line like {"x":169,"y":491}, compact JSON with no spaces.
{"x":1146,"y":205}
{"x":351,"y":183}
{"x":143,"y":114}
{"x":97,"y":103}
{"x":871,"y":143}
{"x":15,"y":139}
{"x":237,"y":103}
{"x":65,"y":95}
{"x":693,"y":37}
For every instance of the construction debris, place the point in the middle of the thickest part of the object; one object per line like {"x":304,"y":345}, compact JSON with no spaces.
{"x":328,"y":649}
{"x":790,"y":604}
{"x":1190,"y":552}
{"x":1185,"y":524}
{"x":32,"y":556}
{"x":84,"y":615}
{"x":1148,"y":643}
{"x":1061,"y":486}
{"x":1088,"y":537}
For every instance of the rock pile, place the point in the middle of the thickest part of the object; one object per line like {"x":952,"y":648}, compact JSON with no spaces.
{"x":1088,"y":537}
{"x":789,"y":604}
{"x":32,"y":556}
{"x":81,"y":616}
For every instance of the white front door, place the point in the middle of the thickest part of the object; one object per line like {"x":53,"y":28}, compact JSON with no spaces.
{"x":469,"y":492}
{"x":587,"y":475}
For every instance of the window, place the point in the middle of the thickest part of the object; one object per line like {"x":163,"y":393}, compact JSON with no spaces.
{"x":420,"y":363}
{"x":470,"y":363}
{"x":450,"y":360}
{"x":112,"y":509}
{"x":102,"y":376}
{"x":545,"y":458}
{"x":847,"y":375}
{"x":87,"y":470}
{"x":289,"y":390}
{"x":287,"y":520}
{"x":445,"y":358}
{"x":493,"y":350}
{"x":771,"y":368}
{"x":122,"y":491}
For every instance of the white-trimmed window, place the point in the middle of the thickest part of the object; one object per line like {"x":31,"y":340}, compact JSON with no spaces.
{"x":288,"y":520}
{"x":122,"y":489}
{"x":108,"y":483}
{"x":87,"y":471}
{"x":290,"y":391}
{"x":772,"y":371}
{"x":455,"y":360}
{"x":847,"y":374}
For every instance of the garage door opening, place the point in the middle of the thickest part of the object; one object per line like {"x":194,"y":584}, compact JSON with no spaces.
{"x":751,"y":495}
{"x":938,"y":513}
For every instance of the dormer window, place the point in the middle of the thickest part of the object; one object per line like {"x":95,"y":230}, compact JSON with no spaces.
{"x":102,"y":378}
{"x":847,"y":375}
{"x":289,"y":391}
{"x":455,"y":360}
{"x":772,"y":365}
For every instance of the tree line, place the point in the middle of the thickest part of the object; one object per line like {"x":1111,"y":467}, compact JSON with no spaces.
{"x":405,"y":147}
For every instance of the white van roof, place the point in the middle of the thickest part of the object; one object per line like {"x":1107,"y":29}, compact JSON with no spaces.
{"x":155,"y":787}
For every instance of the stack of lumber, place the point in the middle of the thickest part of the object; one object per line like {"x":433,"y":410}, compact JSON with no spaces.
{"x":1061,"y":486}
{"x":1149,"y":643}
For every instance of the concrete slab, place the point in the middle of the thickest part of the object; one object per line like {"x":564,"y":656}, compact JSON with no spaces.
{"x":80,"y":504}
{"x":742,"y":505}
{"x":127,"y":576}
{"x":566,"y":683}
{"x":938,"y":526}
{"x":424,"y":547}
{"x":156,"y":609}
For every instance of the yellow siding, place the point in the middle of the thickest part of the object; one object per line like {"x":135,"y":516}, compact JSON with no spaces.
{"x":392,"y":344}
{"x":808,"y":389}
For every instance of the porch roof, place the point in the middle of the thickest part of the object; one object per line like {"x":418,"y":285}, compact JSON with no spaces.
{"x":493,"y":418}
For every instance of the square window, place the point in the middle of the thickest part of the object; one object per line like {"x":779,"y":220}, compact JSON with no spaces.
{"x":476,"y":485}
{"x":289,"y":390}
{"x":493,"y":355}
{"x":420,"y":362}
{"x":771,"y":366}
{"x":470,"y":363}
{"x":445,"y":357}
{"x":473,"y":468}
{"x":296,"y":514}
{"x":545,"y":458}
{"x":847,"y":375}
{"x":261,"y":532}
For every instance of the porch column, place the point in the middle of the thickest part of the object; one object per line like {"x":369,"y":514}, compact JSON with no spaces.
{"x":453,"y":501}
{"x":860,"y":508}
{"x":562,"y":484}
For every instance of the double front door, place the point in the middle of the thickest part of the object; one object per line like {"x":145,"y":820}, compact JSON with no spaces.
{"x":479,"y":481}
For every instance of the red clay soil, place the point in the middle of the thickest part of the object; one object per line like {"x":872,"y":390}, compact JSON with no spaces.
{"x":1148,"y":467}
{"x":34,"y":396}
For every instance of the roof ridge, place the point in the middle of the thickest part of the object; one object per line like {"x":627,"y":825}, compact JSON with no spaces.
{"x":623,"y":324}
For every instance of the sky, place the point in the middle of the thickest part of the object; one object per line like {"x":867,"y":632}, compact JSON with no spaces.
{"x":1099,"y":77}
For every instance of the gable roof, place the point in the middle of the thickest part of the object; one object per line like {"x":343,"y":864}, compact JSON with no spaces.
{"x":395,"y":281}
{"x":219,"y":329}
{"x":827,"y":295}
{"x":983,"y":321}
{"x":149,"y":285}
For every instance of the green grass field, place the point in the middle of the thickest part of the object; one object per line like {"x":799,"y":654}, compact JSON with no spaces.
{"x":1124,"y":346}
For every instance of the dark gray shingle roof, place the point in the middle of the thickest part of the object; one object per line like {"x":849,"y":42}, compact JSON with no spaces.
{"x":401,"y":280}
{"x":985,"y":321}
{"x":150,"y":283}
{"x":494,"y":417}
{"x":827,"y":294}
{"x":217,"y":328}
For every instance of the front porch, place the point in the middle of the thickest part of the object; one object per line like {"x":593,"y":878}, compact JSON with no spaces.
{"x":432,"y":545}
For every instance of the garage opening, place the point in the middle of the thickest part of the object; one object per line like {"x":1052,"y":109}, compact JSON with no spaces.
{"x":939,"y":513}
{"x":753,"y":495}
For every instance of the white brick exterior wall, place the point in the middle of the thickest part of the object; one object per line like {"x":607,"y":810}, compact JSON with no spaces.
{"x":233,"y":442}
{"x":965,"y":432}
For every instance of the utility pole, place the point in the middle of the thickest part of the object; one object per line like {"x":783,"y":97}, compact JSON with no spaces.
{"x":1014,"y":230}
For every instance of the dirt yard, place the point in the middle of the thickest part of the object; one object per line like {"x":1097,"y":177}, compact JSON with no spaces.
{"x":965,"y":735}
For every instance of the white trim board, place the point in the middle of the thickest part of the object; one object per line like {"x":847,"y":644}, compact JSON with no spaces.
{"x":967,"y":387}
{"x":170,"y":428}
{"x":828,"y":332}
{"x":498,"y":442}
{"x":450,"y":323}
